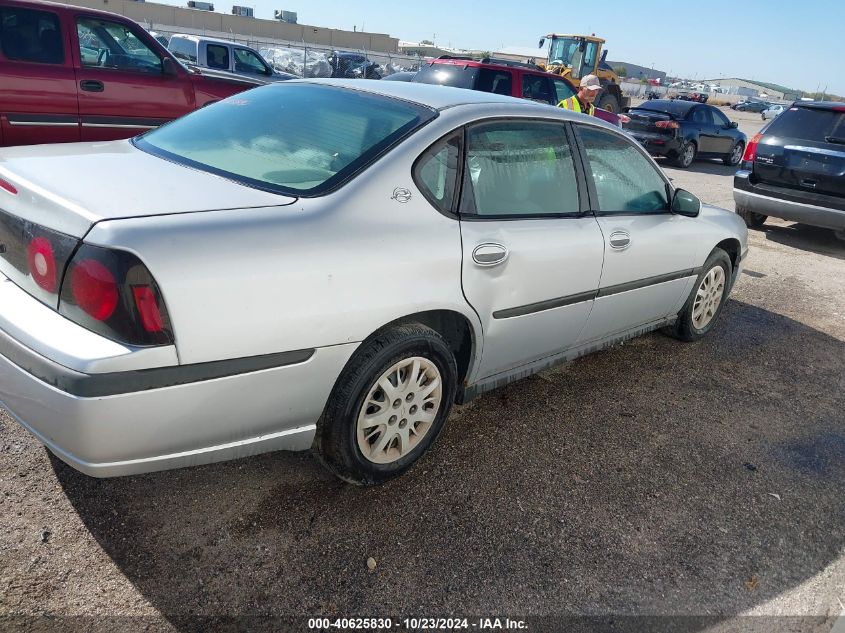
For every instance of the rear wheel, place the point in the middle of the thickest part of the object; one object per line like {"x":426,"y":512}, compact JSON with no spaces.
{"x":686,"y":155}
{"x":732,"y":159}
{"x":752,"y":220}
{"x":388,"y":406}
{"x":704,"y":305}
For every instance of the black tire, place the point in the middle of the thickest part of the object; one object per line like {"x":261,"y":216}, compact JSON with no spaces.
{"x":685,"y":157}
{"x":684,"y":328}
{"x":840,"y":235}
{"x":734,"y":158}
{"x":752,"y":220}
{"x":609,"y":102}
{"x":336,"y":443}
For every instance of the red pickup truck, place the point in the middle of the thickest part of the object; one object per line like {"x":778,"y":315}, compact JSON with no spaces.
{"x":74,"y":74}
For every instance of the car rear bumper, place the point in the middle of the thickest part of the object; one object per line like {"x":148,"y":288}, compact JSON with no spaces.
{"x":657,"y":145}
{"x":788,"y":204}
{"x":140,"y":421}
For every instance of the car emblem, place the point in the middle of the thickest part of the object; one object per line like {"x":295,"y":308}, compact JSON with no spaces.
{"x":400,"y":194}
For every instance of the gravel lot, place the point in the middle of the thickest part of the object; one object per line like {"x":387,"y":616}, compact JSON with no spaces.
{"x":653,"y":478}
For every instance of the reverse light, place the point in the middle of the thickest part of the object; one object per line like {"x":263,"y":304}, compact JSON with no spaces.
{"x":42,"y":263}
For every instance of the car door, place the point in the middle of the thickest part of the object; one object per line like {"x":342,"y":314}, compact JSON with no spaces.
{"x":703,"y":123}
{"x":37,"y":82}
{"x":531,"y":257}
{"x":648,"y":251}
{"x":725,"y":135}
{"x":122,"y":85}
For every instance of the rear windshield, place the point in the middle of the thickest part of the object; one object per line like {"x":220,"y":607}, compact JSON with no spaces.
{"x":447,"y":75}
{"x":677,"y":109}
{"x":809,"y":124}
{"x":291,"y":138}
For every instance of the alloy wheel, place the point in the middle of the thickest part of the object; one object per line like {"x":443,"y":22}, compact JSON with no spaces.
{"x":708,"y":297}
{"x":399,"y":410}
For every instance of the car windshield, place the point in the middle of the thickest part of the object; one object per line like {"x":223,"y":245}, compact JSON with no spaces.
{"x":295,"y":139}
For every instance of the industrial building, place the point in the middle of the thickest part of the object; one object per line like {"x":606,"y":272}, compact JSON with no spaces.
{"x":748,"y":88}
{"x":634,"y":72}
{"x":167,"y":18}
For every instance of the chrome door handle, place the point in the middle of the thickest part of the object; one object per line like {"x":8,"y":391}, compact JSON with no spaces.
{"x":620,"y":240}
{"x":489,"y":254}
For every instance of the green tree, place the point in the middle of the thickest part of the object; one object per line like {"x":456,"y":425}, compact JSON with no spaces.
{"x":621,"y":71}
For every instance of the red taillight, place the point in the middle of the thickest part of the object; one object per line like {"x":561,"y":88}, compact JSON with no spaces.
{"x":624,"y":118}
{"x":667,"y":125}
{"x":8,"y":187}
{"x":751,"y":150}
{"x":145,"y":301}
{"x":42,"y":263}
{"x":94,"y":288}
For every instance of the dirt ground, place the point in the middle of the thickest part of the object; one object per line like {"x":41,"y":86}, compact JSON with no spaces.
{"x":655,"y":478}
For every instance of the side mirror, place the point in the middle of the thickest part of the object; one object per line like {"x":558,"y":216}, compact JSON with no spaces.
{"x":168,"y":67}
{"x":542,"y":41}
{"x":686,"y":204}
{"x":734,"y":124}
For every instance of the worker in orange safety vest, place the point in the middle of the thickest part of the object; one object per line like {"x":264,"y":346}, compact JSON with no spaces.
{"x":582,"y":101}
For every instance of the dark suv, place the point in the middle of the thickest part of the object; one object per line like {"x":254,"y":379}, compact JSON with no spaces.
{"x":794,"y":169}
{"x":525,"y":81}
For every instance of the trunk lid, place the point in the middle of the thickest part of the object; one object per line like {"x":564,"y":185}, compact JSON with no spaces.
{"x":69,"y":187}
{"x":804,"y":149}
{"x":643,"y":124}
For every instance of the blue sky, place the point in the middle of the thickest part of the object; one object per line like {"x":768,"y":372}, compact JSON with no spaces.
{"x":797,"y":44}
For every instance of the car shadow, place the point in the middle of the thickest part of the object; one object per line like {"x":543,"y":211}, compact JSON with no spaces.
{"x":804,"y":237}
{"x":713,"y":166}
{"x":653,"y":478}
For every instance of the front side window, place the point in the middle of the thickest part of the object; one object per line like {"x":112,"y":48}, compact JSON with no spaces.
{"x":104,"y":44}
{"x":299,"y":139}
{"x":563,"y":90}
{"x":217,"y":56}
{"x":436,"y":172}
{"x":496,"y":81}
{"x":30,"y":36}
{"x":248,"y":62}
{"x":625,"y":181}
{"x":519,"y":169}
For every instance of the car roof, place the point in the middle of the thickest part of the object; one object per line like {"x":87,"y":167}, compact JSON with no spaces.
{"x":837,"y":106}
{"x":500,"y":64}
{"x":203,"y":38}
{"x":431,"y":95}
{"x":60,"y":6}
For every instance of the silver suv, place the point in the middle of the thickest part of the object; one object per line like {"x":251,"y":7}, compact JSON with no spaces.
{"x":222,"y":55}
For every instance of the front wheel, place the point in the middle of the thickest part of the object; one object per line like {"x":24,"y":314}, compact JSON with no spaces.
{"x":388,"y":405}
{"x":704,"y":305}
{"x":732,"y":159}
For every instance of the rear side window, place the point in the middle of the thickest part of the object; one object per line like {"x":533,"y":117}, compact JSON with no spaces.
{"x":30,"y":36}
{"x":436,"y":172}
{"x":217,"y":56}
{"x":809,"y":124}
{"x":625,"y":181}
{"x":496,"y":81}
{"x":519,"y":169}
{"x":447,"y":75}
{"x":536,"y":87}
{"x":563,"y":90}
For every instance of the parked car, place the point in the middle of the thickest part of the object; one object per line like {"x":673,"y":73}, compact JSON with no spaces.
{"x":223,"y":55}
{"x":772,"y":111}
{"x":752,"y":106}
{"x":353,"y":66}
{"x":698,"y":97}
{"x":794,"y":169}
{"x":210,"y":307}
{"x":524,"y":81}
{"x":74,"y":74}
{"x":685,"y":131}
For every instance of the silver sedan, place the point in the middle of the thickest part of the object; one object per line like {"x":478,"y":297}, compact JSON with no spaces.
{"x":331,"y":264}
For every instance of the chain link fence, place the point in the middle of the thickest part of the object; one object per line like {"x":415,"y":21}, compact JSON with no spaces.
{"x":314,"y":60}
